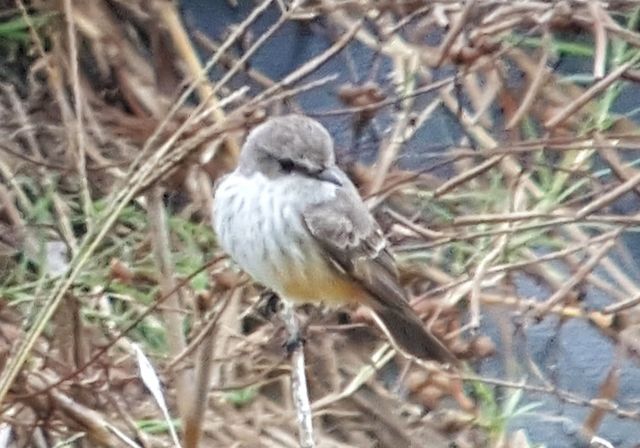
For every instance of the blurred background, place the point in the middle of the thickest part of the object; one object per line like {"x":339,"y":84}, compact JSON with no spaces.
{"x":496,"y":142}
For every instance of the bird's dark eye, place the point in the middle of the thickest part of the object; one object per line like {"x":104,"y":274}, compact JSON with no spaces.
{"x":286,"y":165}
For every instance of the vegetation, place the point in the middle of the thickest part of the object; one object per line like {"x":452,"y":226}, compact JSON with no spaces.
{"x":521,"y":226}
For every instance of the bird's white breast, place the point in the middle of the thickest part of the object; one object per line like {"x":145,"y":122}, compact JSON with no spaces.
{"x":259,"y":223}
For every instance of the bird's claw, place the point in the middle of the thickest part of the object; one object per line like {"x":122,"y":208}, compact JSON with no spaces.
{"x":294,"y":343}
{"x":270,"y":304}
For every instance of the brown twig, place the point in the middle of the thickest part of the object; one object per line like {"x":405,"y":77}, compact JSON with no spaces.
{"x":600,"y":39}
{"x":589,"y":94}
{"x":576,"y":278}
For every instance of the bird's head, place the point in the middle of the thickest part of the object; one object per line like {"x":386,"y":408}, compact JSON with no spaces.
{"x":290,"y":145}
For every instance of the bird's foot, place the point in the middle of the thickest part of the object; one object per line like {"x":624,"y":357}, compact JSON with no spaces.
{"x":294,"y":343}
{"x":269,"y":304}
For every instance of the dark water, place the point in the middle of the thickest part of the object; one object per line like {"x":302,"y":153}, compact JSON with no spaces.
{"x":575,"y":354}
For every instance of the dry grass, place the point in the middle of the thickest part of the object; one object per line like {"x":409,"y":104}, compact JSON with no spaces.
{"x":111,"y":135}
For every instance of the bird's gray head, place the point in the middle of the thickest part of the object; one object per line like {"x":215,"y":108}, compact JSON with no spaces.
{"x":289,"y":145}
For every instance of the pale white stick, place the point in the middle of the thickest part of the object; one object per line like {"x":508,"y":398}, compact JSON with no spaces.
{"x":299,"y":389}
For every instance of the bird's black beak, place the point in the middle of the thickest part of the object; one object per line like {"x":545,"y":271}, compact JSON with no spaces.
{"x":328,"y":175}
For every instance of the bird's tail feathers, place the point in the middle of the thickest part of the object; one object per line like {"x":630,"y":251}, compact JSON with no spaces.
{"x":409,"y":335}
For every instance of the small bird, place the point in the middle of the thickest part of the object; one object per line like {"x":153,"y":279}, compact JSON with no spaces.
{"x":290,"y":218}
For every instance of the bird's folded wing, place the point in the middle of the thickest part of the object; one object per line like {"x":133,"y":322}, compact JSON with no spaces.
{"x":353,"y":241}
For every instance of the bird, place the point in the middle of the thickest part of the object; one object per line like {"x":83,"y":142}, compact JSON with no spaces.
{"x":293,"y":220}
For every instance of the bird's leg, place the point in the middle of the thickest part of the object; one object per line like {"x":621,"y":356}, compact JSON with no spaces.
{"x":293,"y":343}
{"x":295,"y":339}
{"x":269,"y":304}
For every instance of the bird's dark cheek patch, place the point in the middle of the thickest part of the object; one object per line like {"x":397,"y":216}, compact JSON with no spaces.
{"x":286,"y":165}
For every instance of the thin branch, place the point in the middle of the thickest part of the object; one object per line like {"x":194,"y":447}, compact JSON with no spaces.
{"x":299,"y":389}
{"x":575,"y":279}
{"x":589,"y":94}
{"x":173,"y":320}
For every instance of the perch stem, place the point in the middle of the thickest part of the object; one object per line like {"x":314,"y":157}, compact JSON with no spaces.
{"x":299,"y":391}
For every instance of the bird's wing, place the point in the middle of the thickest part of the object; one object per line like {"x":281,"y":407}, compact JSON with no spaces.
{"x":355,"y":244}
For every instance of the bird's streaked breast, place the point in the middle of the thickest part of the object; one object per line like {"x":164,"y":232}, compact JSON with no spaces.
{"x":259,"y":224}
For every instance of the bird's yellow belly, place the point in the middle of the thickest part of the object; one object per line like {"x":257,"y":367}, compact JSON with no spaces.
{"x":319,"y":282}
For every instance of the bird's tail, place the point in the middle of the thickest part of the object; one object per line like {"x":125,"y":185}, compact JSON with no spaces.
{"x":408,"y":333}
